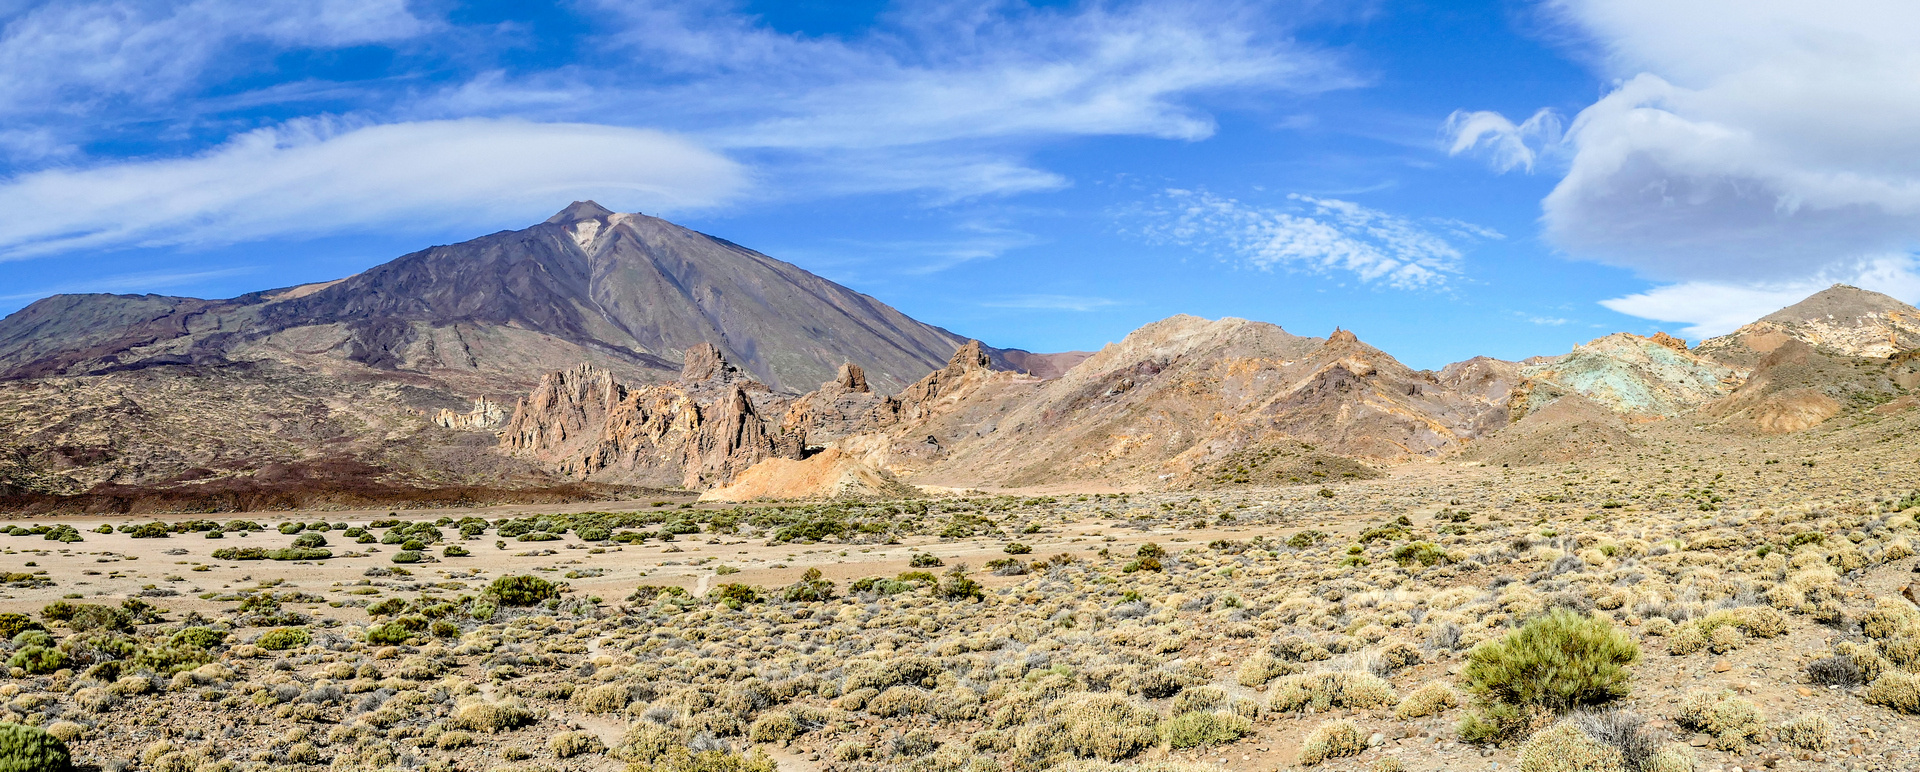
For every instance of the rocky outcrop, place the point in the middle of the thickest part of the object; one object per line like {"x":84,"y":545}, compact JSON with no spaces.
{"x":1627,"y":374}
{"x":696,"y":432}
{"x":1841,"y":319}
{"x":840,"y":407}
{"x":485,"y":414}
{"x":967,"y":368}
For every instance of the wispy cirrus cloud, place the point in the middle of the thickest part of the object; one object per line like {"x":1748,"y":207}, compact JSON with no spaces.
{"x":1318,"y":235}
{"x":317,"y":177}
{"x":145,"y":281}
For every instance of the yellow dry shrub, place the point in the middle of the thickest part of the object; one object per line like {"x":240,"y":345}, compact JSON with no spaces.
{"x":1331,"y":740}
{"x":1897,"y":690}
{"x":1732,"y":721}
{"x":602,"y":699}
{"x":1564,"y":748}
{"x":570,"y":744}
{"x":482,"y":716}
{"x":1434,"y":698}
{"x":1333,"y":689}
{"x":1811,"y":731}
{"x":1099,"y":726}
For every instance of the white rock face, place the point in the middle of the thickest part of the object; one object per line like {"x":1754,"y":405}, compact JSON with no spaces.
{"x":485,"y":414}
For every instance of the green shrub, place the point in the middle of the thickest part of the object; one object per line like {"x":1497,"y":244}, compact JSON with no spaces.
{"x":388,"y":634}
{"x":406,"y":556}
{"x":82,"y":617}
{"x":12,"y":624}
{"x":924,"y":560}
{"x":1196,"y":729}
{"x":299,"y":553}
{"x":155,"y":530}
{"x":1424,"y":553}
{"x":595,"y":533}
{"x":104,"y":528}
{"x":957,"y":585}
{"x":1016,"y":548}
{"x":240,"y":553}
{"x":1553,"y":663}
{"x":812,"y":587}
{"x":31,"y":749}
{"x":455,"y":551}
{"x":198,"y":638}
{"x":387,"y":608}
{"x":522,"y":590}
{"x":284,"y":638}
{"x":309,"y":539}
{"x":292,"y":528}
{"x":734,"y":594}
{"x":38,"y":660}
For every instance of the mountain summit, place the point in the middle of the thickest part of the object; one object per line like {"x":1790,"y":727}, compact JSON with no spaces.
{"x":588,"y":284}
{"x":1841,"y":319}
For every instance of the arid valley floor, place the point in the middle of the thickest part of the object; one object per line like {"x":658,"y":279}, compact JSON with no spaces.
{"x":1250,"y":628}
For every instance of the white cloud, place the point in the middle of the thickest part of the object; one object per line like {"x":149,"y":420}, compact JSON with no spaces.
{"x":947,"y":97}
{"x":1717,"y":308}
{"x":1745,"y":141}
{"x":1507,"y":145}
{"x":1313,"y":234}
{"x":312,"y":178}
{"x":61,"y":57}
{"x":1053,"y":302}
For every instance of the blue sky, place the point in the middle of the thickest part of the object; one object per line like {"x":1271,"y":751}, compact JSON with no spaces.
{"x":1447,"y":179}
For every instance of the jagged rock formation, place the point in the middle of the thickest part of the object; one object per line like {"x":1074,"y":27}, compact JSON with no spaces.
{"x":698,"y":431}
{"x":1843,"y":319}
{"x":842,"y":406}
{"x":1627,"y":374}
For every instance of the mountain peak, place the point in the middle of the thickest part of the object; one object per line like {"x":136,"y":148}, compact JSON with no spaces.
{"x":1843,"y":303}
{"x":579,"y":210}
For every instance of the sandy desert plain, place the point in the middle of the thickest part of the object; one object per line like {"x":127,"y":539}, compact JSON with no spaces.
{"x":1735,"y":603}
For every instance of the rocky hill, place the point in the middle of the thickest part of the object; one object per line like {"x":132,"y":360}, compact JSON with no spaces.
{"x":1841,"y":319}
{"x":1181,"y":402}
{"x":1655,"y":377}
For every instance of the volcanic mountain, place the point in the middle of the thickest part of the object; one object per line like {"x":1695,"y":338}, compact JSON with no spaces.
{"x":407,"y":368}
{"x":625,"y":291}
